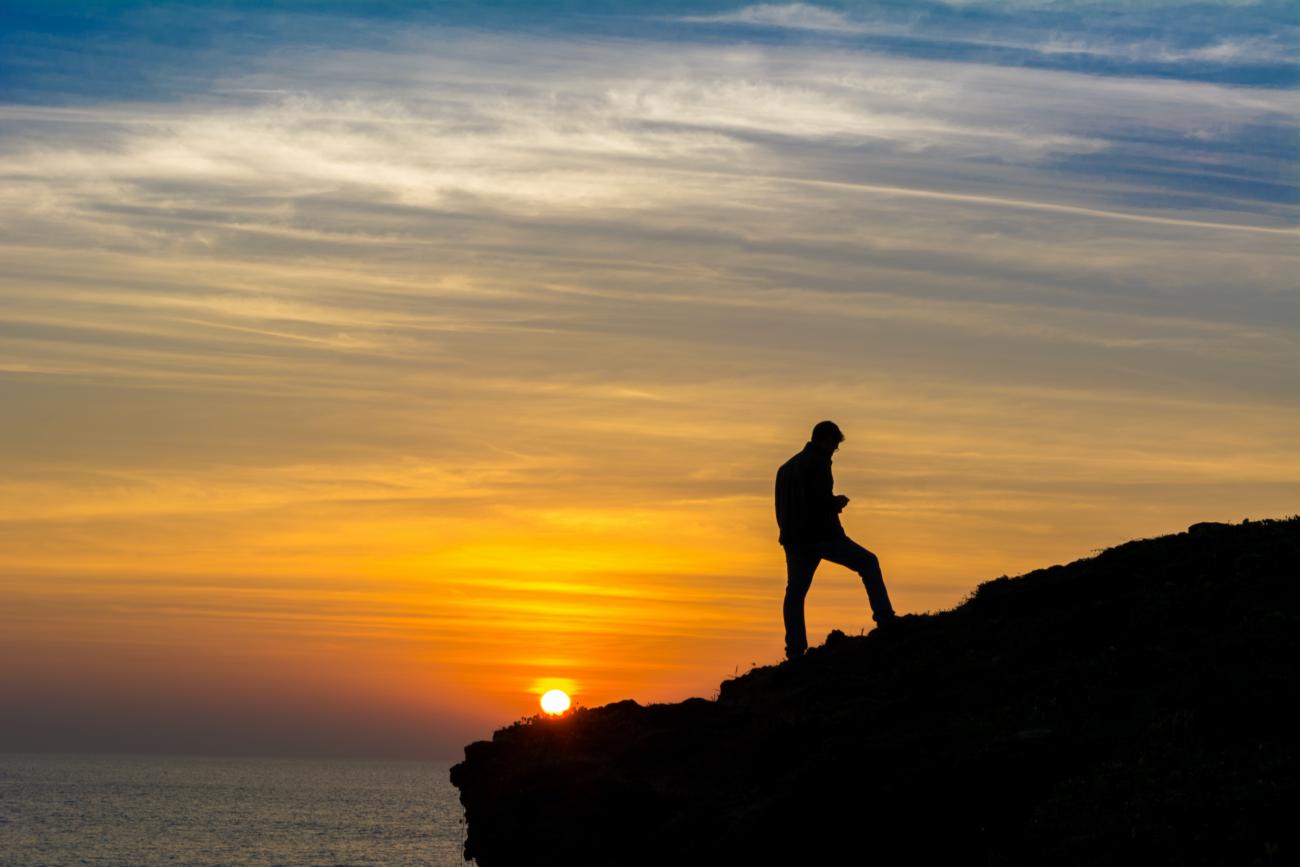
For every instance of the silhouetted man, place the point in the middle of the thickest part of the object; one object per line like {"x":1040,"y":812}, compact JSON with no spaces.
{"x":808,"y":513}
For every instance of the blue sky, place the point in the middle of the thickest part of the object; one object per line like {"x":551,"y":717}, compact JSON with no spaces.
{"x":87,"y":53}
{"x":1237,"y":42}
{"x":461,"y":341}
{"x":1231,"y":42}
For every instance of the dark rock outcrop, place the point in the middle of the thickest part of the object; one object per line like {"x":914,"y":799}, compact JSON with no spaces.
{"x":1139,"y":706}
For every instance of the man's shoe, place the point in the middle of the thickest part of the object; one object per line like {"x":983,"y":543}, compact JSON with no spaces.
{"x":888,"y":624}
{"x":895,"y":623}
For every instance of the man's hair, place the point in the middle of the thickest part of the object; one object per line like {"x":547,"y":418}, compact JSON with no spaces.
{"x":827,"y":431}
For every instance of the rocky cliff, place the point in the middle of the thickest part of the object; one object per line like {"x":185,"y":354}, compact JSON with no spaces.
{"x":1139,"y":706}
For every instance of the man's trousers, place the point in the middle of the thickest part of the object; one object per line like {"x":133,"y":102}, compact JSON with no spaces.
{"x":801,"y":561}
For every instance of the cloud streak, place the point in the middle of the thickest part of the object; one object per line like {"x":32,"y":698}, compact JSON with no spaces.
{"x":1258,"y":36}
{"x":794,"y":16}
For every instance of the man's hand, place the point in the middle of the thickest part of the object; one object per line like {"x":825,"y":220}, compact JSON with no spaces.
{"x":840,"y":502}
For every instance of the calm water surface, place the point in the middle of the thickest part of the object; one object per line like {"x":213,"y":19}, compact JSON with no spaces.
{"x":148,"y":810}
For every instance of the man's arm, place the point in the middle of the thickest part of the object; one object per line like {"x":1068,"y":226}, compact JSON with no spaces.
{"x":791,"y":514}
{"x":820,"y":495}
{"x":839,"y":500}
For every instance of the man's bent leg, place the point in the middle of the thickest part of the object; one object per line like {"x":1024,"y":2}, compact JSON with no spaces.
{"x":800,"y":564}
{"x":848,"y":553}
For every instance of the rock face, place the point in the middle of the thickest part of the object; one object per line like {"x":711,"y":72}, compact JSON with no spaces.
{"x":1139,"y":706}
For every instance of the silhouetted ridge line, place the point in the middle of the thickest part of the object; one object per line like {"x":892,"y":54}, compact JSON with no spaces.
{"x":1137,"y":706}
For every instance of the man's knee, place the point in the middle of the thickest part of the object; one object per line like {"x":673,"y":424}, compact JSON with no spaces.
{"x":859,"y":559}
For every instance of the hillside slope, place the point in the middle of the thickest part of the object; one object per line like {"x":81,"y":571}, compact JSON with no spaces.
{"x":1140,"y":704}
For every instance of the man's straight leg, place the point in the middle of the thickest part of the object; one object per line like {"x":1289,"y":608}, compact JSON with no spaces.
{"x":800,"y":564}
{"x":846,"y":552}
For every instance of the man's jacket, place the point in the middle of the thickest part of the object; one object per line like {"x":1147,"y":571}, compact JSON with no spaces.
{"x":806,"y":509}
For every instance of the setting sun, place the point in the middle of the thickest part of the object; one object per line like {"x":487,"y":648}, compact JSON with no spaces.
{"x":555,"y":701}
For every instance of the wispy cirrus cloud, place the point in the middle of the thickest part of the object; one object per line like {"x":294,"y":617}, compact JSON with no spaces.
{"x":1256,"y":36}
{"x":795,"y":16}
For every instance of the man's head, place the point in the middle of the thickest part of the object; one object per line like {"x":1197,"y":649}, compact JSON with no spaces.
{"x":827,"y":435}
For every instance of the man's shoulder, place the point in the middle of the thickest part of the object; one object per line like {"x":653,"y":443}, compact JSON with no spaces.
{"x":793,"y":461}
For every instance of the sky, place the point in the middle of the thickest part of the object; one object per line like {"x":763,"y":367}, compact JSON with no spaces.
{"x":367,"y":369}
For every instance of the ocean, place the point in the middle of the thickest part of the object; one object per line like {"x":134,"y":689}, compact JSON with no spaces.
{"x":151,"y":810}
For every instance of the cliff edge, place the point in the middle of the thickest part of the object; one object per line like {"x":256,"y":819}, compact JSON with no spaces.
{"x":1139,"y":706}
